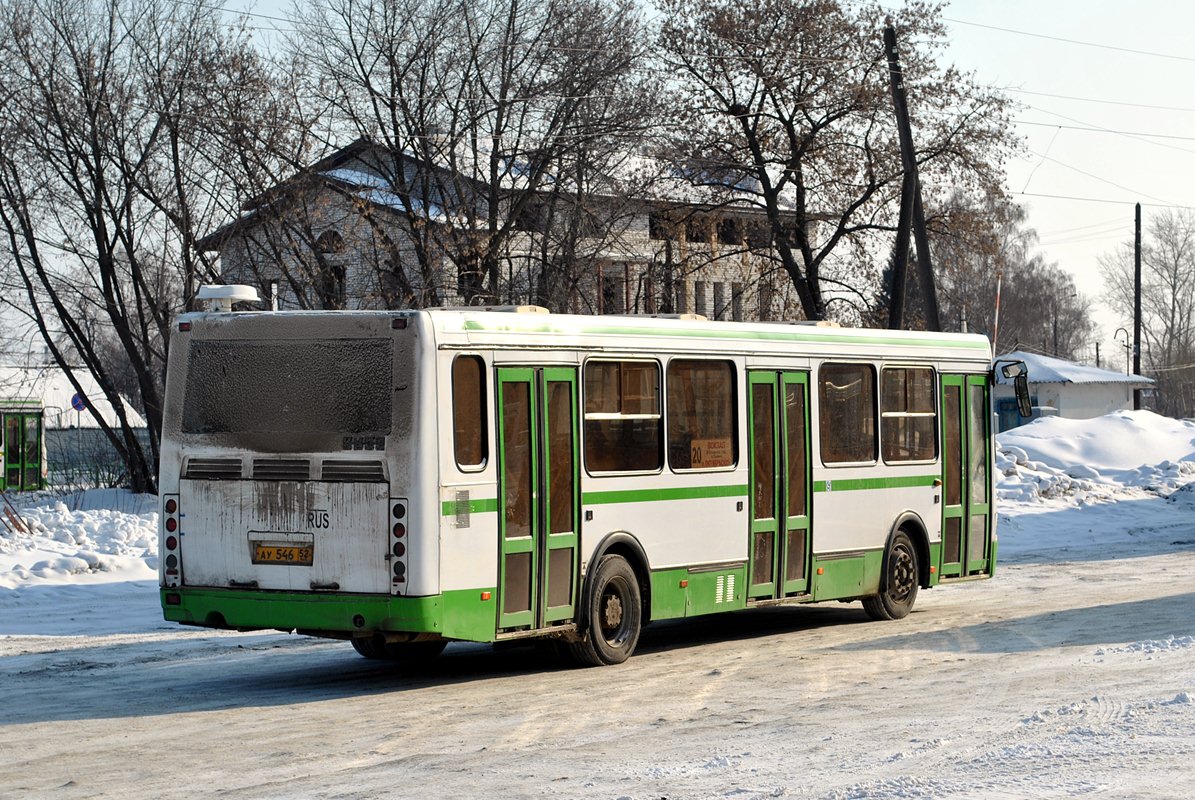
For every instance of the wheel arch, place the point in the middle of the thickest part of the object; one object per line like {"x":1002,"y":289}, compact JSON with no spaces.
{"x":914,"y":527}
{"x":620,"y":543}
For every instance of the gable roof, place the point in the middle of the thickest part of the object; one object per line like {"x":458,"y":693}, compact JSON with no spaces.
{"x":1044,"y":369}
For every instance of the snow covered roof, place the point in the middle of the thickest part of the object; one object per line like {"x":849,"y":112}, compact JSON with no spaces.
{"x":53,"y":389}
{"x":1044,"y":369}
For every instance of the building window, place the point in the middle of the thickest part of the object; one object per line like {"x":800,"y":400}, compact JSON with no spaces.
{"x":728,"y":232}
{"x":699,"y":297}
{"x":701,"y":415}
{"x":908,"y":421}
{"x":846,"y":413}
{"x":330,"y":242}
{"x":468,"y":412}
{"x":719,"y":300}
{"x":622,"y":416}
{"x":736,"y":302}
{"x":659,"y":228}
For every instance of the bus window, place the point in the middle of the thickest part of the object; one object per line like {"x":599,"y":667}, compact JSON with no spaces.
{"x":622,"y":416}
{"x":701,"y":424}
{"x":847,"y":413}
{"x":468,"y":411}
{"x":907,"y":414}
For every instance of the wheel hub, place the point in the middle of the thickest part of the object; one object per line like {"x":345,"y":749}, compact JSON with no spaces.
{"x":611,"y":612}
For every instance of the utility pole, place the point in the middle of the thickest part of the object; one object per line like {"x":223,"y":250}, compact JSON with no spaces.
{"x":1097,"y":355}
{"x":1137,"y":306}
{"x":912,"y":187}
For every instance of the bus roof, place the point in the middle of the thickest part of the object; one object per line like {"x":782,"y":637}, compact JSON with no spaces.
{"x":479,"y":327}
{"x":468,"y":327}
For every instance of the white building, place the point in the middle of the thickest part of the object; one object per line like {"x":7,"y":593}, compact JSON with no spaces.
{"x":1066,"y":389}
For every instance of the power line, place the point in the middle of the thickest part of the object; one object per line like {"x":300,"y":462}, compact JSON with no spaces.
{"x":1142,"y":134}
{"x":1048,"y":37}
{"x":1102,"y":200}
{"x":1093,"y":176}
{"x":1151,"y":106}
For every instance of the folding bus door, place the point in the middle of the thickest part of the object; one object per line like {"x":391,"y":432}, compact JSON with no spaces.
{"x":966,"y":482}
{"x":780,"y":489}
{"x":539,"y":496}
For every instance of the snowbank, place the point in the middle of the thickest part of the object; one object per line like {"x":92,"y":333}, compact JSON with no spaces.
{"x":87,"y":541}
{"x":1089,"y":460}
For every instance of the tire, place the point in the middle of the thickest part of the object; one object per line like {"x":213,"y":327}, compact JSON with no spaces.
{"x":613,"y":616}
{"x":375,"y":647}
{"x":898,"y":584}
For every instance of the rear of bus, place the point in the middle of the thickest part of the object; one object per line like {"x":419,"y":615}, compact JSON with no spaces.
{"x":288,"y":481}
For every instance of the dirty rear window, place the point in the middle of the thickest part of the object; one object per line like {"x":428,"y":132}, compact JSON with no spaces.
{"x":328,"y":386}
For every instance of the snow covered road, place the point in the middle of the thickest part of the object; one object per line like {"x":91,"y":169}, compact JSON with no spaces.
{"x":1070,"y":674}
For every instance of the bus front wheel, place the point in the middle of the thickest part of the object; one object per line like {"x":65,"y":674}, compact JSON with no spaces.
{"x":613,"y":616}
{"x":898,"y":584}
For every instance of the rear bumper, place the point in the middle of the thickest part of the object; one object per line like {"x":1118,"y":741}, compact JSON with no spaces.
{"x":455,"y":615}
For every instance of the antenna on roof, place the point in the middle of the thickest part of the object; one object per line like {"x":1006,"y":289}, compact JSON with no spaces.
{"x":220,"y":298}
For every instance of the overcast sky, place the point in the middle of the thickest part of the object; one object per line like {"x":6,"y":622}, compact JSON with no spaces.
{"x":1136,"y":99}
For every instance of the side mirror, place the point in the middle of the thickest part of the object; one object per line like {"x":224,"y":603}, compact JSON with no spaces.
{"x":1018,"y":373}
{"x":1020,"y":386}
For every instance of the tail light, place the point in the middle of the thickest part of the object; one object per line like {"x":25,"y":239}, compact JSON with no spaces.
{"x":170,"y":541}
{"x":399,"y":545}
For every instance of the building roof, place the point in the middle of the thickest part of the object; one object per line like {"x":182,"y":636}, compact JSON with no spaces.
{"x":52,"y":388}
{"x":1044,"y":369}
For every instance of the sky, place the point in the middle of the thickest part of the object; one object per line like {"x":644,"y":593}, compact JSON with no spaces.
{"x":1095,"y":120}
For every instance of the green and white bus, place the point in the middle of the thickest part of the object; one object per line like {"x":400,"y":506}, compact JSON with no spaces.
{"x":403,"y":479}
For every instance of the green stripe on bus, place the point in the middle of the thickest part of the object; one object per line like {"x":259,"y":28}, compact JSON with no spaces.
{"x":450,"y":508}
{"x":854,"y":484}
{"x":837,"y":336}
{"x":651,"y":495}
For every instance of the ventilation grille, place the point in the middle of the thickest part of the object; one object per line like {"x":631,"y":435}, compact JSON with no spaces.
{"x":355,"y":471}
{"x":214,"y":469}
{"x":284,"y":469}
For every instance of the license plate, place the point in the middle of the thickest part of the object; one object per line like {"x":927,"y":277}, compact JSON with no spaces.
{"x":299,"y":555}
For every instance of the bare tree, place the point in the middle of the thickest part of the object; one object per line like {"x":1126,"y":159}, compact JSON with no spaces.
{"x":108,"y":167}
{"x":790,"y":99}
{"x":1167,"y":305}
{"x":491,"y":116}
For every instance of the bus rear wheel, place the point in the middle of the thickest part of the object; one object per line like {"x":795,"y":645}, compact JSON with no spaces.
{"x":899,"y":583}
{"x":375,"y":647}
{"x":613,"y":616}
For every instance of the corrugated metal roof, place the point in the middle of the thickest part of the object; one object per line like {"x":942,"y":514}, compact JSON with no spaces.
{"x":1044,"y":369}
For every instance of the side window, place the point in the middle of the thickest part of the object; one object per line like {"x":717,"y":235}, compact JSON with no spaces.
{"x":908,"y":422}
{"x":847,"y":413}
{"x":622,"y":416}
{"x":468,"y":412}
{"x":701,"y":415}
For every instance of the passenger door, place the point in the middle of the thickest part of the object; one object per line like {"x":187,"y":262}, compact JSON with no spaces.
{"x":538,"y":496}
{"x":966,"y":482}
{"x":779,"y":548}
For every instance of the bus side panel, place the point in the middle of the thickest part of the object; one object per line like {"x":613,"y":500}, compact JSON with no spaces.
{"x":466,"y":513}
{"x":852,"y":519}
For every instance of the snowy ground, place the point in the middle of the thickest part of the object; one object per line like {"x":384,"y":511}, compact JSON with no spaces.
{"x":1071,"y":674}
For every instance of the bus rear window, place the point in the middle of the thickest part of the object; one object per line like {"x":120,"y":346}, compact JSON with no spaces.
{"x":468,"y":411}
{"x":340,"y":386}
